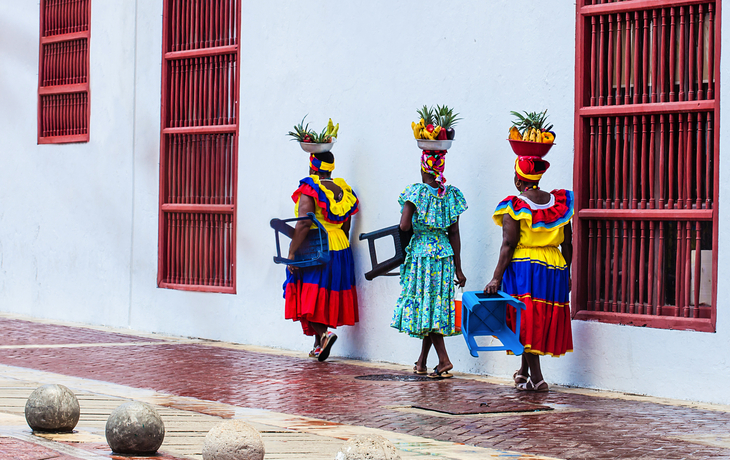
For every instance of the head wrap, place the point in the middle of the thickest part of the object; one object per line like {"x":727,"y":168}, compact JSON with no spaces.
{"x":319,"y":165}
{"x":530,"y":169}
{"x":433,"y":162}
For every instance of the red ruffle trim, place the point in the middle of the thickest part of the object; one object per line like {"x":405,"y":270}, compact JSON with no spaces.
{"x":544,"y":327}
{"x":310,"y":303}
{"x":307,"y":188}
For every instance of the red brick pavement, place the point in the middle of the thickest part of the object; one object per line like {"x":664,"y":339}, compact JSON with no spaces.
{"x":19,"y":332}
{"x":581,"y":427}
{"x":23,"y":450}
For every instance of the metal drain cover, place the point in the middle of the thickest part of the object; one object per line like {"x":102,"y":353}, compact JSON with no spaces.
{"x":491,"y":406}
{"x":396,"y":378}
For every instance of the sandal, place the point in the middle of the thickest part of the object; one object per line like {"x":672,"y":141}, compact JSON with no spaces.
{"x":328,"y":339}
{"x":315,"y":352}
{"x":516,"y":376}
{"x":534,"y":387}
{"x":444,"y":374}
{"x":416,"y":371}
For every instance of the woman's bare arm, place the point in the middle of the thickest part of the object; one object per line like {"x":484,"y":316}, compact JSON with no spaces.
{"x":510,"y":238}
{"x":406,"y":217}
{"x":346,"y":227}
{"x":566,"y":247}
{"x":306,"y":204}
{"x":455,"y":240}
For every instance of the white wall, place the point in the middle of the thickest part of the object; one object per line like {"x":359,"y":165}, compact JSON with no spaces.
{"x":65,"y":218}
{"x":70,"y":212}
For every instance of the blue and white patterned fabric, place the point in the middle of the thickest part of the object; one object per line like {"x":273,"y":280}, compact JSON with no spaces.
{"x":426,"y":302}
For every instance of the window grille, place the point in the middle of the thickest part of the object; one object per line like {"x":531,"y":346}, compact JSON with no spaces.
{"x":646,"y":162}
{"x":199,"y":145}
{"x":63,"y":73}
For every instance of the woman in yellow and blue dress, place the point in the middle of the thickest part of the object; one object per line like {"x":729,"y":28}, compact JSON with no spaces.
{"x":532,"y":269}
{"x":323,"y":296}
{"x":425,"y":308}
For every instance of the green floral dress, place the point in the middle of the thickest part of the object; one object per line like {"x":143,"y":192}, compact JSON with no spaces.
{"x":426,"y":302}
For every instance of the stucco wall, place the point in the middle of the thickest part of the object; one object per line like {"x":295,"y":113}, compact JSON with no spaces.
{"x":78,"y":222}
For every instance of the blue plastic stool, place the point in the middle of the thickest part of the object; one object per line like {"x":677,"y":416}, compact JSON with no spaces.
{"x":314,"y":250}
{"x":486,"y":314}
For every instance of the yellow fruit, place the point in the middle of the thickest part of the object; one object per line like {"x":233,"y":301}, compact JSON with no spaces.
{"x":547,"y":137}
{"x":514,"y":134}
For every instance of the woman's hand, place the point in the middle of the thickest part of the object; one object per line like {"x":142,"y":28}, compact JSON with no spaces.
{"x":291,"y":268}
{"x":493,"y":286}
{"x":460,"y":278}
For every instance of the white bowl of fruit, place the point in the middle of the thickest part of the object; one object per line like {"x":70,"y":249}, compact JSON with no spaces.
{"x":313,"y":142}
{"x":435,"y":130}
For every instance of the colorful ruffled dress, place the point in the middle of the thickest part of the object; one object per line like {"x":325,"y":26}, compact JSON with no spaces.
{"x":326,"y":293}
{"x":426,"y":302}
{"x":538,"y":274}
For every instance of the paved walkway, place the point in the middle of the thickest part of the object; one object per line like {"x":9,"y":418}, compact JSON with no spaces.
{"x":305,"y":409}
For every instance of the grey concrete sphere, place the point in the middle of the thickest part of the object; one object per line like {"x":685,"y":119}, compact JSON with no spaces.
{"x":135,"y":428}
{"x":233,"y":440}
{"x":52,"y":408}
{"x":368,"y":447}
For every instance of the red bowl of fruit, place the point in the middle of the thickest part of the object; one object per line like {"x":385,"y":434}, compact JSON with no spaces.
{"x":530,"y":149}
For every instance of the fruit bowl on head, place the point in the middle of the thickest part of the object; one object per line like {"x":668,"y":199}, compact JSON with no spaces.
{"x":427,"y":144}
{"x":312,"y":147}
{"x":530,"y":149}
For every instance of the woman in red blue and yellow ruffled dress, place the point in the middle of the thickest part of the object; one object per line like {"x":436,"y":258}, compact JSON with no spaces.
{"x":532,"y":269}
{"x":323,"y":296}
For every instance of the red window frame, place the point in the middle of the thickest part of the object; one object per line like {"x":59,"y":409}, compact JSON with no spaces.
{"x":638,"y":227}
{"x":199,"y":145}
{"x":63,"y":71}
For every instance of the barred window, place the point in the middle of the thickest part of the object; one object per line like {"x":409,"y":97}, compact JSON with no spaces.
{"x":63,"y":73}
{"x":199,"y":145}
{"x":646,"y":163}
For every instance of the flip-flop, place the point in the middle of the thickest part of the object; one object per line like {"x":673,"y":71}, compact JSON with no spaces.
{"x":444,"y":374}
{"x":515,"y":376}
{"x":417,"y":372}
{"x":315,"y":352}
{"x":328,"y":340}
{"x":534,"y":387}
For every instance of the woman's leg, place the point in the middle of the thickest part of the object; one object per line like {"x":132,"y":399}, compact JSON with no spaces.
{"x":319,"y":328}
{"x":523,"y":373}
{"x":422,"y":363}
{"x":440,"y":346}
{"x":535,"y":372}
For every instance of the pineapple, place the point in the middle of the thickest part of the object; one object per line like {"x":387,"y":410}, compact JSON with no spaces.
{"x":428,"y":115}
{"x":536,"y":120}
{"x":445,"y":116}
{"x":301,"y":132}
{"x":447,"y":119}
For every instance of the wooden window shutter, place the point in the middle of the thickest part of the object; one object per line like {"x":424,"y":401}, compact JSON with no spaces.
{"x":63,"y":71}
{"x":646,"y":162}
{"x":199,"y":145}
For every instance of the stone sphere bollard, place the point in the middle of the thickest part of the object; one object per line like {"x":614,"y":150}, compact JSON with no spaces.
{"x":52,"y":408}
{"x":233,"y":440}
{"x":135,"y":428}
{"x":370,"y":447}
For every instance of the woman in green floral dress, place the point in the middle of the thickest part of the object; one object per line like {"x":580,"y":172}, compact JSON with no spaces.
{"x":425,"y":307}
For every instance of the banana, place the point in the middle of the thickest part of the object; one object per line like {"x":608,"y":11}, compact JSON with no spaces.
{"x":335,"y":130}
{"x":526,"y":135}
{"x":538,"y":135}
{"x":330,"y":127}
{"x":416,"y":129}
